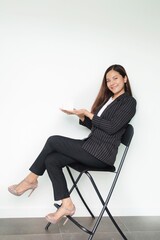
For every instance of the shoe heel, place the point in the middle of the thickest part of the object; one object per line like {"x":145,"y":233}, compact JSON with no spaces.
{"x":31,"y":192}
{"x":66,"y":220}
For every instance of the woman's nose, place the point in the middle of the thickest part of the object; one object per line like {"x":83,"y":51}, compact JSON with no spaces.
{"x":112,"y":82}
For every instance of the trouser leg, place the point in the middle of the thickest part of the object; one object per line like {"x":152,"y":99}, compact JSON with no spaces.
{"x":67,"y":146}
{"x":66,"y":149}
{"x":54,"y":166}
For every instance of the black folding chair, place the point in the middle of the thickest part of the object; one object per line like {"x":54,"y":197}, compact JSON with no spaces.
{"x":126,"y":140}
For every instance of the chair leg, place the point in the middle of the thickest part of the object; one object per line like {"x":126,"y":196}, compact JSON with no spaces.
{"x":91,"y":233}
{"x":47,"y":226}
{"x":115,"y":224}
{"x":99,"y":220}
{"x":77,"y":189}
{"x":75,"y":222}
{"x":104,"y":209}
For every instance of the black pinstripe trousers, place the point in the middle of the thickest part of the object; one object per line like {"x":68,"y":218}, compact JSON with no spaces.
{"x":57,"y":153}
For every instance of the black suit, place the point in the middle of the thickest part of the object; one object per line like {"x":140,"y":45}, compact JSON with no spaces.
{"x":97,"y":150}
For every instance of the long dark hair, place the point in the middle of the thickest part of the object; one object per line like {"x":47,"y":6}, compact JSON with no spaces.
{"x":104,"y":92}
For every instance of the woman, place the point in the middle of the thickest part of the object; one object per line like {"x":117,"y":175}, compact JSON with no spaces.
{"x":112,"y":110}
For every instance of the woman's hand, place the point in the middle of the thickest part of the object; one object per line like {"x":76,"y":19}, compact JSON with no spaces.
{"x":81,"y":113}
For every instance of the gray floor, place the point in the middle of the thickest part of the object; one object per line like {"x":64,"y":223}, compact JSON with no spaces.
{"x":135,"y":228}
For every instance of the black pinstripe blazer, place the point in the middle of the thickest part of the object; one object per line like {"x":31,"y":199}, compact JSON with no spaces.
{"x":107,"y":130}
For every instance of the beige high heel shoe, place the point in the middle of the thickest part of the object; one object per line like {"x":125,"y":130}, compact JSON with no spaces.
{"x":31,"y":186}
{"x":51,"y":217}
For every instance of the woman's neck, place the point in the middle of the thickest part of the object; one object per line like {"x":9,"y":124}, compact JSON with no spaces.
{"x":117,"y":95}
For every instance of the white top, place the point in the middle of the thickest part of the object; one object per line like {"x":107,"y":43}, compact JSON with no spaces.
{"x":104,"y":106}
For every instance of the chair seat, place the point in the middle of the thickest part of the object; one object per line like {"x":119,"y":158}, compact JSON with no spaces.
{"x":83,"y":168}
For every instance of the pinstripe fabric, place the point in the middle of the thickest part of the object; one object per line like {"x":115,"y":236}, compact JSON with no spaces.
{"x":106,"y":130}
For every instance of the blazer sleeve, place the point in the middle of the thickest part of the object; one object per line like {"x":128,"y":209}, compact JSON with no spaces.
{"x":86,"y":123}
{"x":122,"y":116}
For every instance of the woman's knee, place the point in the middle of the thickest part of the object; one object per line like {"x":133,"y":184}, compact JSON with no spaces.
{"x":53,"y":139}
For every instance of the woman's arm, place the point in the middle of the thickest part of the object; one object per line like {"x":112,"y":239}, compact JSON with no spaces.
{"x":86,"y":122}
{"x":85,"y":117}
{"x":122,"y":116}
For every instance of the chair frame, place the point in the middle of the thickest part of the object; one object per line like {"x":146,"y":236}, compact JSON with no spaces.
{"x":126,"y":140}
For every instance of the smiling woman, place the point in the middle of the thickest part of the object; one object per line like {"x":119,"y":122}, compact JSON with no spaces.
{"x":115,"y":83}
{"x":110,"y":114}
{"x":112,"y":73}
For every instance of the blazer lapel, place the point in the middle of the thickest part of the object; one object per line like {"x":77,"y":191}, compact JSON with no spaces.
{"x":115,"y":101}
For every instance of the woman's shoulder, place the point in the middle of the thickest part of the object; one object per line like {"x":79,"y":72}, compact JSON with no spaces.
{"x":129,"y":96}
{"x":126,"y":97}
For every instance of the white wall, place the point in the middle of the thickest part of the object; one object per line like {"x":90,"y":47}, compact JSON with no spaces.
{"x":54,"y":53}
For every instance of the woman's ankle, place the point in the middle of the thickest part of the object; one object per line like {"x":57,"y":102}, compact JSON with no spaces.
{"x":30,"y":181}
{"x":67,"y":203}
{"x":31,"y":178}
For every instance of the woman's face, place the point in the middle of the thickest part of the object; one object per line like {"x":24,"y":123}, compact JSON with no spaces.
{"x":115,"y":83}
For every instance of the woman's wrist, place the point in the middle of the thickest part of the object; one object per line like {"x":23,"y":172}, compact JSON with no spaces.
{"x":88,"y":114}
{"x":82,"y":118}
{"x":91,"y":116}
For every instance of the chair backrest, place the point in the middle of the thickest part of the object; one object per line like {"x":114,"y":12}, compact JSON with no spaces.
{"x":126,"y":140}
{"x":127,"y":136}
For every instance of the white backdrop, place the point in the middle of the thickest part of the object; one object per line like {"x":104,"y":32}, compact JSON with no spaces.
{"x":54,"y":53}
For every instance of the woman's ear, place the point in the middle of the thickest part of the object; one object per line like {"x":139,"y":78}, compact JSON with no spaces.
{"x":125,"y":79}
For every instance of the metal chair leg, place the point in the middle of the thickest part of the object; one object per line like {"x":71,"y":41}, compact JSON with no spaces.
{"x":77,"y":189}
{"x":47,"y":226}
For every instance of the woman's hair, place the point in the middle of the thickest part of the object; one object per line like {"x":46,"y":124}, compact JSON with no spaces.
{"x":104,"y":92}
